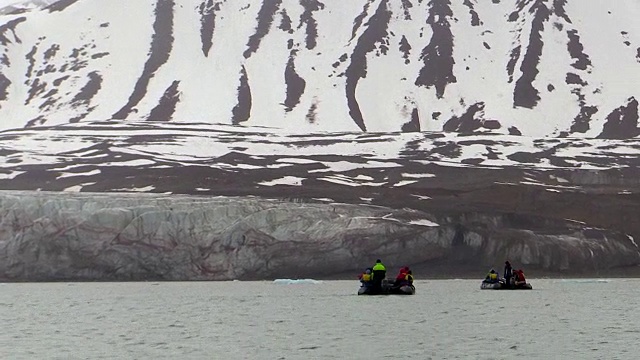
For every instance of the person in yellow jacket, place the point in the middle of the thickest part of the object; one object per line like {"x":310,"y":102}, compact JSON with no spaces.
{"x":366,"y":277}
{"x":492,"y":277}
{"x":409,"y":278}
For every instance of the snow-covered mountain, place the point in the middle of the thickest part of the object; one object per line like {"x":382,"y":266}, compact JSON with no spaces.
{"x":532,"y":67}
{"x":511,"y":124}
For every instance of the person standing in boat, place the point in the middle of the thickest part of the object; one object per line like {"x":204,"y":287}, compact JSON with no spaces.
{"x":379,"y":273}
{"x":508,"y":273}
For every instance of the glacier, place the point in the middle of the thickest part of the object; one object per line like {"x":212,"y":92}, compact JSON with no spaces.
{"x":47,"y":236}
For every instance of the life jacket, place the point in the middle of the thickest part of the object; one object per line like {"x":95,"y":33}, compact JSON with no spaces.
{"x":520,"y":275}
{"x":379,"y":267}
{"x":365,"y":277}
{"x":408,"y":278}
{"x":493,"y":276}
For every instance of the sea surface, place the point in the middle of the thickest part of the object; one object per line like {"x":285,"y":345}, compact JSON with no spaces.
{"x":446,"y":319}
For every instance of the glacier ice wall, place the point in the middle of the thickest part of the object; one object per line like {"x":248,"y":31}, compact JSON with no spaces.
{"x":66,"y":236}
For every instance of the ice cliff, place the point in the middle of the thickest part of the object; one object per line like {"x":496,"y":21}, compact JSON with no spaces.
{"x":58,"y":236}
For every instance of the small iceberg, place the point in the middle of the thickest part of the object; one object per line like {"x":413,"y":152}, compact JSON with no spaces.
{"x":296,"y":281}
{"x":584,"y":281}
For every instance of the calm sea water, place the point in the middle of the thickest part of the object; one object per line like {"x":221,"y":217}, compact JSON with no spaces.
{"x":446,"y":319}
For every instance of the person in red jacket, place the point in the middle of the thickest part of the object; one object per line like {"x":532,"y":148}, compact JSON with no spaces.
{"x":519,"y":277}
{"x":402,"y":274}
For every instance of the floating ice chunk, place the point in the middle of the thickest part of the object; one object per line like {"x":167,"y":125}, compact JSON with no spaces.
{"x":296,"y":281}
{"x":585,"y":281}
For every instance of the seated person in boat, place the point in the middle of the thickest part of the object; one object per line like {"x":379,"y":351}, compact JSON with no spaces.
{"x":405,"y":277}
{"x":402,"y":274}
{"x":409,"y":278}
{"x":366,"y":277}
{"x":519,"y":278}
{"x":492,"y":277}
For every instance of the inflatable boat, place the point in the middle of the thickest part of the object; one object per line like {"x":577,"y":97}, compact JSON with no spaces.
{"x":501,"y":286}
{"x":387,"y":289}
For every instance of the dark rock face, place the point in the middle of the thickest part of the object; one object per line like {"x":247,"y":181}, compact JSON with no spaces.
{"x":622,"y":123}
{"x":242,"y":110}
{"x":438,"y":55}
{"x":525,"y":94}
{"x":295,"y":85}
